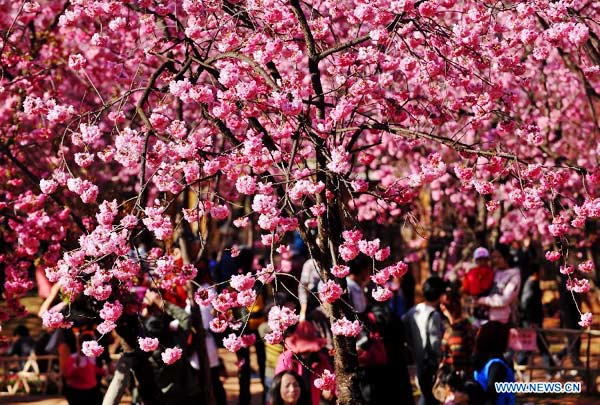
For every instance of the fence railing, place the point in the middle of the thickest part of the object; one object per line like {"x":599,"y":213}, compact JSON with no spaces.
{"x":573,"y":338}
{"x":21,"y":372}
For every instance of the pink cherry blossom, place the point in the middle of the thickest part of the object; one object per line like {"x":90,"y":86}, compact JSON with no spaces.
{"x":353,"y":236}
{"x":246,"y":298}
{"x":248,"y":340}
{"x":168,"y":121}
{"x":53,"y":319}
{"x":219,"y":211}
{"x":586,"y":267}
{"x":340,"y":271}
{"x":48,"y":186}
{"x":171,"y":355}
{"x":483,"y":187}
{"x":381,"y":294}
{"x":266,"y":274}
{"x":148,"y":344}
{"x":552,"y":256}
{"x":339,"y":161}
{"x":586,"y":320}
{"x":326,"y":382}
{"x":577,"y":285}
{"x":204,"y":296}
{"x":381,"y":277}
{"x":106,"y":327}
{"x":246,"y":185}
{"x":274,"y":337}
{"x":218,"y":324}
{"x":369,"y":248}
{"x":382,"y":254}
{"x":330,"y":291}
{"x":111,"y":311}
{"x":281,"y":318}
{"x":348,"y":251}
{"x":92,"y":348}
{"x":345,"y":327}
{"x":242,"y":282}
{"x":567,"y":270}
{"x":398,"y":270}
{"x":232,"y":343}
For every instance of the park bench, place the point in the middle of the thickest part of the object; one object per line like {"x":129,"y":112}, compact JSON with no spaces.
{"x":29,"y":373}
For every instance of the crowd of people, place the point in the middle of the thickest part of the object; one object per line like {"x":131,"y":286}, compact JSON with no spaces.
{"x":457,"y":337}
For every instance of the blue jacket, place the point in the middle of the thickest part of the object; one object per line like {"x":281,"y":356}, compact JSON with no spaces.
{"x":481,"y":376}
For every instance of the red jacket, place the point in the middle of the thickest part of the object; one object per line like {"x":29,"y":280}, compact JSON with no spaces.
{"x":82,"y":376}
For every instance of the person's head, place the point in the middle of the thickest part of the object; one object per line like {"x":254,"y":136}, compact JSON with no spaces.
{"x":453,"y":304}
{"x":360,"y":269}
{"x":433,"y":289}
{"x":305,"y":339}
{"x":481,"y":256}
{"x":244,"y":259}
{"x":501,"y":257}
{"x":288,"y":389}
{"x":491,"y":340}
{"x":284,"y":299}
{"x":21,"y":331}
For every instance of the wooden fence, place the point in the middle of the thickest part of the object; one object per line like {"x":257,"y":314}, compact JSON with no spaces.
{"x":21,"y":372}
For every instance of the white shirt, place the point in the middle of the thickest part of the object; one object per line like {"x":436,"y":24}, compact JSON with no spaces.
{"x":503,"y":298}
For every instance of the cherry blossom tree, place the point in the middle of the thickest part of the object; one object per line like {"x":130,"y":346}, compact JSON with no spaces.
{"x":330,"y":118}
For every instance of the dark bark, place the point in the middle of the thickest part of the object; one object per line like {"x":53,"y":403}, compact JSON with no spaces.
{"x":329,"y":238}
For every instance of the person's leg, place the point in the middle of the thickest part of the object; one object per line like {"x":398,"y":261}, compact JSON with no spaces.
{"x":426,"y":385}
{"x":268,"y":383}
{"x":218,"y":390}
{"x":575,"y":349}
{"x":260,"y":357}
{"x":244,"y":375}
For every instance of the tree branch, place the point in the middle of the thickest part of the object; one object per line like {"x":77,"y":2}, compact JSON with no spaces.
{"x":313,"y":58}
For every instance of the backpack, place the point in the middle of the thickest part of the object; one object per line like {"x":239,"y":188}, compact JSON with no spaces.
{"x":478,"y":280}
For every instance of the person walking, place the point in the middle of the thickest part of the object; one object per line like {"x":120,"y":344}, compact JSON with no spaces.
{"x":424,"y":328}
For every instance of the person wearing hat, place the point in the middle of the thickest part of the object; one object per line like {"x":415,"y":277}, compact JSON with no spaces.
{"x":304,"y":353}
{"x":479,"y":279}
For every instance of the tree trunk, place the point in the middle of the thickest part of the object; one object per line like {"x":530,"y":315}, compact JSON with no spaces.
{"x":346,"y":364}
{"x":330,"y":227}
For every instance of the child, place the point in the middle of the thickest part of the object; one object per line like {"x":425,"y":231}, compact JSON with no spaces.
{"x":480,"y":278}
